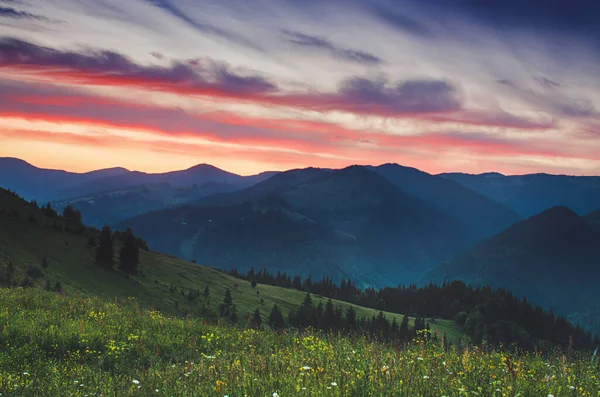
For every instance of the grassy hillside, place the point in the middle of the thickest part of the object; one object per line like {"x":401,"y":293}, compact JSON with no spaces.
{"x":27,"y":236}
{"x":57,"y":345}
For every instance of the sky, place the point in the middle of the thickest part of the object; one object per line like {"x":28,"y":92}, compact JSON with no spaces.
{"x":473,"y":86}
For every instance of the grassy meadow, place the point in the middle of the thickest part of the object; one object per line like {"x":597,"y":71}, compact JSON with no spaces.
{"x":71,"y":345}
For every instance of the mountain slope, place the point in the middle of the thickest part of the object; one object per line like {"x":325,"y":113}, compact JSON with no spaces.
{"x":553,"y":258}
{"x":593,"y":219}
{"x":487,"y":217}
{"x":114,"y":206}
{"x":27,"y":236}
{"x":351,"y":223}
{"x":530,"y":194}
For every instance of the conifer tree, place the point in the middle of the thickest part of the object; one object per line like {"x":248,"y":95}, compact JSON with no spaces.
{"x":276,"y":320}
{"x":129,"y":254}
{"x":105,"y":249}
{"x":256,"y":319}
{"x":329,"y":315}
{"x":351,"y":318}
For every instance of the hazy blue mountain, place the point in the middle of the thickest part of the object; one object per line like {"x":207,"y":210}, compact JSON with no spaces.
{"x":114,"y":206}
{"x":593,"y":219}
{"x":114,"y":194}
{"x":552,"y":258}
{"x":530,"y":194}
{"x":482,"y":214}
{"x":350,"y":222}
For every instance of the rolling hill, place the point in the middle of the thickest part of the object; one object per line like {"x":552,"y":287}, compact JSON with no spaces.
{"x":349,"y":223}
{"x":552,"y":258}
{"x":27,"y":236}
{"x":531,"y":194}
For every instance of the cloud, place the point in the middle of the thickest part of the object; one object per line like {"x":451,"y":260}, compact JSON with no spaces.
{"x":417,"y":96}
{"x":399,"y":20}
{"x":436,"y":100}
{"x":107,"y":67}
{"x":204,"y":27}
{"x":10,"y":12}
{"x":323,"y":44}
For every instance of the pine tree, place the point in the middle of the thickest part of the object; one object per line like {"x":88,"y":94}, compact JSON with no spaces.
{"x":206,"y":293}
{"x":276,"y":320}
{"x":351,"y":318}
{"x":256,"y":319}
{"x":226,"y":307}
{"x":329,"y":315}
{"x":129,"y":254}
{"x":105,"y":250}
{"x":73,"y":218}
{"x":404,"y":330}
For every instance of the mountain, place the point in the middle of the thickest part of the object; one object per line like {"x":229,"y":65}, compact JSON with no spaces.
{"x":44,"y":185}
{"x":552,"y":258}
{"x":110,"y":195}
{"x":114,"y":206}
{"x":482,"y":214}
{"x":27,"y":236}
{"x":349,"y":223}
{"x":530,"y":194}
{"x":593,"y":219}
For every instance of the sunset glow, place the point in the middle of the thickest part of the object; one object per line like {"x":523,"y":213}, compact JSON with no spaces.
{"x":166,"y":84}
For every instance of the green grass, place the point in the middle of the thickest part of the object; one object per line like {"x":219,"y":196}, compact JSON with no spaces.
{"x":64,"y":345}
{"x":71,"y":262}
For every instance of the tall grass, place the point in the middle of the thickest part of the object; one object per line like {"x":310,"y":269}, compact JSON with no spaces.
{"x":53,"y":345}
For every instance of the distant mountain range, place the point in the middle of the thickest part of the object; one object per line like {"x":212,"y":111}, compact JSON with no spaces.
{"x":552,"y":258}
{"x":110,"y":195}
{"x":378,"y":226}
{"x":349,"y":223}
{"x":531,"y":194}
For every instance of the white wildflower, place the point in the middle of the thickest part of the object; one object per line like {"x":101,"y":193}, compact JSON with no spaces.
{"x":275,"y":395}
{"x":425,"y":377}
{"x":26,"y":373}
{"x":305,"y":368}
{"x":572,"y":387}
{"x":333,"y":383}
{"x":137,"y":382}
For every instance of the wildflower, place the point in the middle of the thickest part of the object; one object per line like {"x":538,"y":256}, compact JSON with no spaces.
{"x":333,"y":383}
{"x":550,"y":395}
{"x":275,"y":395}
{"x":26,"y":373}
{"x":420,"y":358}
{"x":156,"y":390}
{"x":425,"y":377}
{"x":137,"y":382}
{"x":572,"y":387}
{"x":305,"y":368}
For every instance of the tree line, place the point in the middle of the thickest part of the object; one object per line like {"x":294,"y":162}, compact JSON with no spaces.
{"x":494,"y":316}
{"x":328,"y":318}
